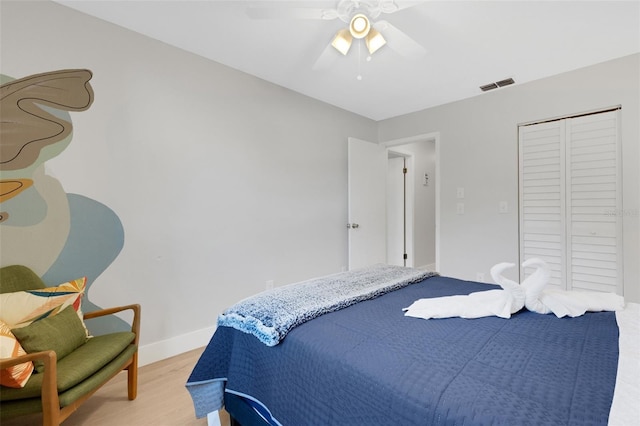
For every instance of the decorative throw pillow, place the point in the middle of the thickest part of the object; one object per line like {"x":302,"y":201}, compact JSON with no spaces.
{"x":62,"y":333}
{"x":16,"y":376}
{"x":21,"y":308}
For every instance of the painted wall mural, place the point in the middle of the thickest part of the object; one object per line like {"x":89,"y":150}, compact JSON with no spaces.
{"x":60,"y":236}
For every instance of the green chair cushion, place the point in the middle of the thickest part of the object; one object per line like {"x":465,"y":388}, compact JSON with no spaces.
{"x":62,"y":333}
{"x":20,"y":407}
{"x":80,"y":364}
{"x":18,"y":278}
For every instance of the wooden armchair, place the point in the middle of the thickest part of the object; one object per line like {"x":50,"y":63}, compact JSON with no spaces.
{"x":64,"y":384}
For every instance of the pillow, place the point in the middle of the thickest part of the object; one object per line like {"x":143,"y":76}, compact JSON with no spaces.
{"x":21,"y":308}
{"x":16,"y":376}
{"x":62,"y":333}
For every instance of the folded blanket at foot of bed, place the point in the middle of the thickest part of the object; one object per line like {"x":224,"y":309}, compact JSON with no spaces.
{"x":513,"y":297}
{"x":270,"y":315}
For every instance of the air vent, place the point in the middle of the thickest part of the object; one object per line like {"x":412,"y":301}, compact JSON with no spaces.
{"x":489,"y":86}
{"x":506,"y":82}
{"x":497,"y":84}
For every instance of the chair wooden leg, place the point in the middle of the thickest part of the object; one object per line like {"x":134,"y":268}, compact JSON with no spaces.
{"x":51,"y":418}
{"x":132,"y":378}
{"x":49,"y":394}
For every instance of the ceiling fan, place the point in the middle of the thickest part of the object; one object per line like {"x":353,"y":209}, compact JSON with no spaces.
{"x":361,"y":17}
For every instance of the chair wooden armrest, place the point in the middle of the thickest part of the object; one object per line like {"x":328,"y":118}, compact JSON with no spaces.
{"x":49,"y":390}
{"x":132,"y":369}
{"x":135,"y":323}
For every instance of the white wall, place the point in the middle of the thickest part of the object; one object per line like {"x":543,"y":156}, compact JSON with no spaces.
{"x":479,"y":152}
{"x":222,"y":181}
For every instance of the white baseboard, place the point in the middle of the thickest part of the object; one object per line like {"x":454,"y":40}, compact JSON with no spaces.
{"x":158,"y":351}
{"x":429,"y":267}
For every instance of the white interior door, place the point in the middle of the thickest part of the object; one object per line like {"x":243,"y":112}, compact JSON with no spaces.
{"x":367,"y":180}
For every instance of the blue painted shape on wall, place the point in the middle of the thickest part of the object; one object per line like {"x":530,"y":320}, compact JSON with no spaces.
{"x":96,"y":237}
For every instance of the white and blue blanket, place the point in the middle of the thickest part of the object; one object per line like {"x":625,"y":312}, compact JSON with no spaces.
{"x":272,"y":314}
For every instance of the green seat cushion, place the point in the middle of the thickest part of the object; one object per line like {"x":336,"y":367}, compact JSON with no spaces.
{"x":62,"y":333}
{"x":19,"y":407}
{"x":82,"y":363}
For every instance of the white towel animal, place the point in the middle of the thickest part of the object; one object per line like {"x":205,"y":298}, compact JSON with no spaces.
{"x":559,"y":302}
{"x":513,"y":297}
{"x":533,"y":285}
{"x":500,"y":303}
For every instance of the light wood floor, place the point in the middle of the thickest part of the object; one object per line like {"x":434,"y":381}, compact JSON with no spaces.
{"x":162,"y":399}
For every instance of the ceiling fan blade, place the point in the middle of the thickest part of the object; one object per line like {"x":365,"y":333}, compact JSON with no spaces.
{"x":391,"y":6}
{"x":399,"y":41}
{"x":290,"y":13}
{"x":326,"y":58}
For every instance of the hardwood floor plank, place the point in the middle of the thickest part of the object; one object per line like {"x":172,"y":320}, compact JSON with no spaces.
{"x":162,"y":399}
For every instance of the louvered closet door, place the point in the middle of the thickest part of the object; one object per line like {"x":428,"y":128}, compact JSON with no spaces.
{"x":593,"y":182}
{"x":569,"y":199}
{"x":542,"y":197}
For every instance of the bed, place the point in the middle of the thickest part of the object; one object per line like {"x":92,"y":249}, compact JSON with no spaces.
{"x":363,"y":362}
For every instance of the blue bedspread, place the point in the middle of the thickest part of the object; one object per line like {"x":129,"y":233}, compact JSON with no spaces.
{"x":368,"y":364}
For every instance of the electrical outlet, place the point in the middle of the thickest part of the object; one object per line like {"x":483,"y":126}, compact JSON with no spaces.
{"x":460,"y":208}
{"x":460,"y":192}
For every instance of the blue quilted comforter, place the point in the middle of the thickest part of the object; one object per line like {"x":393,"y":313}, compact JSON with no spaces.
{"x":368,"y":364}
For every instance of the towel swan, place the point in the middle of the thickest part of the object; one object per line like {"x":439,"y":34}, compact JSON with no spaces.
{"x":533,"y":285}
{"x":531,"y":294}
{"x":559,"y":302}
{"x":500,"y":303}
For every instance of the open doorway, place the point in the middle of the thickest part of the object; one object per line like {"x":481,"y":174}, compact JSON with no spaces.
{"x":400,"y":198}
{"x":412,"y":205}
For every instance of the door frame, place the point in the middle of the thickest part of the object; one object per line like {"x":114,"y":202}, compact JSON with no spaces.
{"x":435,"y":137}
{"x":409,"y":200}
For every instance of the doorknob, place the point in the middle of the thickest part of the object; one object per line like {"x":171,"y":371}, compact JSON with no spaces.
{"x":353,"y":225}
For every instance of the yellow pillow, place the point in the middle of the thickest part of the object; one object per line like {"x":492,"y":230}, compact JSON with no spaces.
{"x":21,"y":308}
{"x":16,"y":376}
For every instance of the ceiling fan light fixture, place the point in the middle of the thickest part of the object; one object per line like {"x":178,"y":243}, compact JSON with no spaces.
{"x":342,"y":41}
{"x":359,"y":26}
{"x":374,"y":41}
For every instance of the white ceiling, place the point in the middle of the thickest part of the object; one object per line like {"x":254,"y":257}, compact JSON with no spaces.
{"x":467,"y":43}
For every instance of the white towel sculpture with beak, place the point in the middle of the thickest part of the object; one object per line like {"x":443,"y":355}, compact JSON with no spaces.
{"x":559,"y":302}
{"x":513,"y":297}
{"x":500,"y":303}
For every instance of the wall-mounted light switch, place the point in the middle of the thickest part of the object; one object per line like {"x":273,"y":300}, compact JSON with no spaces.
{"x":460,"y":208}
{"x":460,"y":192}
